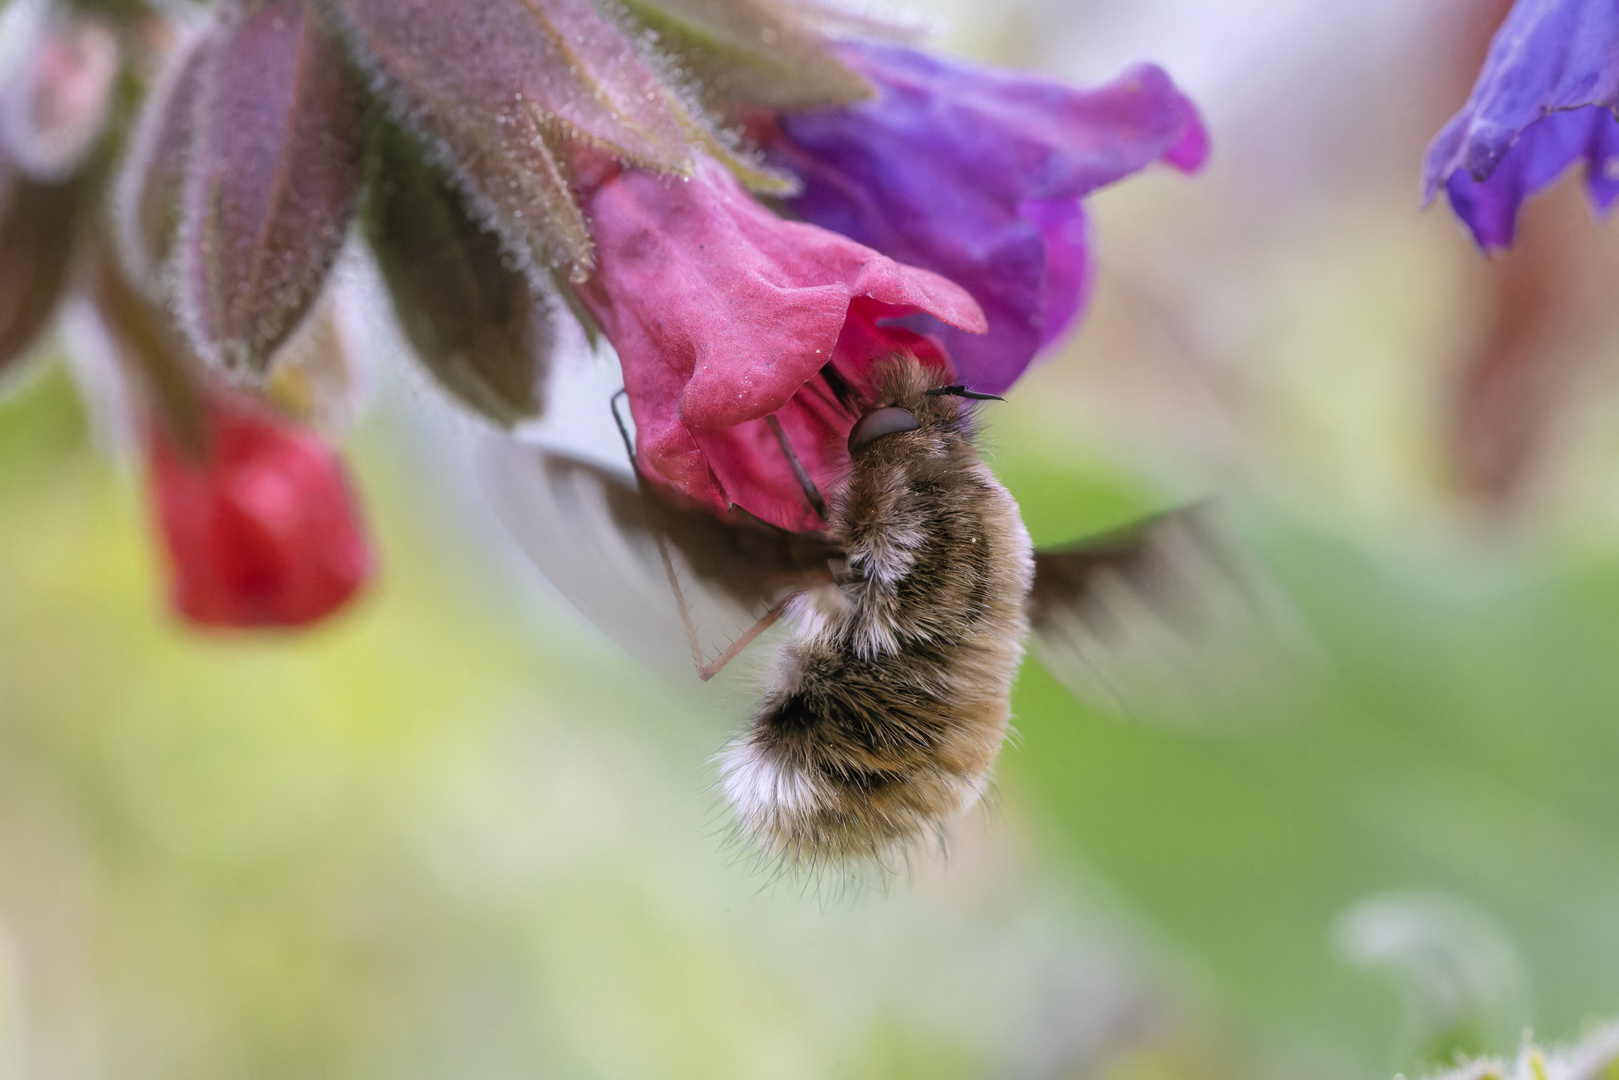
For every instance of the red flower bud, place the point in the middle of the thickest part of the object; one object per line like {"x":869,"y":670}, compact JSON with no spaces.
{"x":262,"y":530}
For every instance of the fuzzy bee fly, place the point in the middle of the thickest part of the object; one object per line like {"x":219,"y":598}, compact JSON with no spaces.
{"x":889,"y":698}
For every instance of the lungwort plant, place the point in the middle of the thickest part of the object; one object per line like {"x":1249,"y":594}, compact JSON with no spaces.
{"x":737,"y":195}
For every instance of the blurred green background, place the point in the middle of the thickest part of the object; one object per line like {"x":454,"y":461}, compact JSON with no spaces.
{"x":454,"y":833}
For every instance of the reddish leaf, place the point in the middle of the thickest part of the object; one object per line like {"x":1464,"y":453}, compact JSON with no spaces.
{"x":479,"y":326}
{"x":271,"y":183}
{"x":500,"y":85}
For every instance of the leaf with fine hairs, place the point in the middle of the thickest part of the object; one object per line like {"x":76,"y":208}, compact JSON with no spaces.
{"x":147,"y":192}
{"x":271,"y":183}
{"x":752,"y":51}
{"x":501,"y":87}
{"x":37,"y":226}
{"x":167,"y":377}
{"x":479,"y":326}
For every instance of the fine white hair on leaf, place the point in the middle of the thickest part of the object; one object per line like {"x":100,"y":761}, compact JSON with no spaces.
{"x":1590,"y":1058}
{"x":130,"y":191}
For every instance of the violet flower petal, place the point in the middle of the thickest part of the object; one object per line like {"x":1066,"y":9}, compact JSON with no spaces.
{"x":1547,"y":97}
{"x":960,"y":169}
{"x":499,"y":85}
{"x":272,"y":181}
{"x":724,"y":314}
{"x":1065,"y":233}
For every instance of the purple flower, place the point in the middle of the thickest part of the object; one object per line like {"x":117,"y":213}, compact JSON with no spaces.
{"x":1548,"y":97}
{"x":977,"y":174}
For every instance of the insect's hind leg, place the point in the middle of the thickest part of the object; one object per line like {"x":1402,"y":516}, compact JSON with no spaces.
{"x":706,"y":670}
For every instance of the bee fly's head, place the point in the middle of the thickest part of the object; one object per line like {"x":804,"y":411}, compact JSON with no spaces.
{"x":908,"y":397}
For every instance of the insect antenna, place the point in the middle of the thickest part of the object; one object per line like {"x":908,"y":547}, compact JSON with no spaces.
{"x":962,"y":392}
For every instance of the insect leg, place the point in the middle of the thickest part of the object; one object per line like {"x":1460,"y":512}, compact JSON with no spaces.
{"x":704,"y":671}
{"x":811,"y":492}
{"x":624,"y":432}
{"x":708,"y":671}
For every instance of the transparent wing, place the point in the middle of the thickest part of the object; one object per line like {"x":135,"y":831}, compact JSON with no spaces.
{"x":676,"y":588}
{"x":1167,"y":621}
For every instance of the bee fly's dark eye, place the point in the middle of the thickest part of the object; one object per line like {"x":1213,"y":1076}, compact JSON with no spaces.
{"x":874,"y":425}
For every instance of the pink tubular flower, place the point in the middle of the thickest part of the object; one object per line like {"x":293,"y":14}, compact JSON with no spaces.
{"x":262,"y":530}
{"x":724,"y":315}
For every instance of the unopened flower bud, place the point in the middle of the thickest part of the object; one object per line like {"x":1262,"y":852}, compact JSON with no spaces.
{"x":152,"y":176}
{"x":499,"y":87}
{"x":273,"y":177}
{"x":261,"y":530}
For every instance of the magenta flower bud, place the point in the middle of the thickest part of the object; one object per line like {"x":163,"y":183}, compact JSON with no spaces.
{"x":977,"y":174}
{"x":1547,"y":98}
{"x":272,"y":180}
{"x":724,"y":315}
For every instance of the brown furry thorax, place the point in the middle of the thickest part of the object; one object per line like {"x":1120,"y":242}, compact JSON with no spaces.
{"x":892,"y":697}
